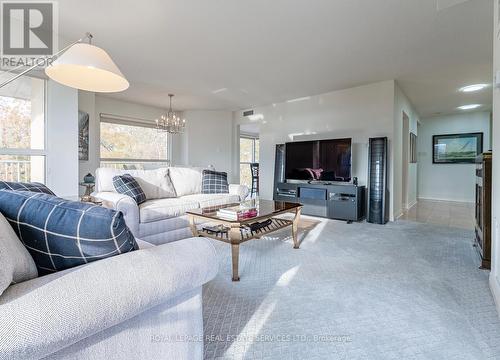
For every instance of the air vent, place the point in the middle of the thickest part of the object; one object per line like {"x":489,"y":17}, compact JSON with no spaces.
{"x":248,"y":113}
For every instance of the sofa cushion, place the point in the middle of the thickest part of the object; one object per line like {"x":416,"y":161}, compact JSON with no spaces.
{"x":17,"y":265}
{"x":160,"y":209}
{"x":209,"y":200}
{"x":33,"y":187}
{"x":186,"y":181}
{"x":156,"y":183}
{"x":126,"y":184}
{"x":214,"y":182}
{"x":61,"y":234}
{"x":144,"y":244}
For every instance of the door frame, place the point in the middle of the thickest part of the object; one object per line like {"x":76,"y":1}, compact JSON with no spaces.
{"x":405,"y":161}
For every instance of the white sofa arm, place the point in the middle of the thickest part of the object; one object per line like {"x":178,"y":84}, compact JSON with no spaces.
{"x":123,"y":203}
{"x":240,"y":190}
{"x":43,"y":315}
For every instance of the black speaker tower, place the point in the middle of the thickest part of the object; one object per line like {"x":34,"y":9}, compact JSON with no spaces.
{"x":378,"y":194}
{"x":279,"y":167}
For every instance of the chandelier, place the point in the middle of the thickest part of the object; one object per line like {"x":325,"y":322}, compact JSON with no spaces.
{"x":170,"y":122}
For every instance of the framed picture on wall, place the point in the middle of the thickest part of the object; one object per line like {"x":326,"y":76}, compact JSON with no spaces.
{"x":456,"y":148}
{"x":83,"y":135}
{"x":413,"y":148}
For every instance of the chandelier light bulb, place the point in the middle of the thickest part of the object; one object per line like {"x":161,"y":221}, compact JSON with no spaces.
{"x":170,"y":122}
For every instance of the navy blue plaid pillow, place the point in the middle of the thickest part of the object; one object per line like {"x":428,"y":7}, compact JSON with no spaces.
{"x":33,"y":187}
{"x":214,"y":182}
{"x":127,"y":185}
{"x":61,"y":234}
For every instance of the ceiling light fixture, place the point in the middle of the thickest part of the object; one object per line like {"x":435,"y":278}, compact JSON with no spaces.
{"x":219,"y":90}
{"x":256,"y":117}
{"x":472,"y":88}
{"x":170,"y":122}
{"x":469,"y":107}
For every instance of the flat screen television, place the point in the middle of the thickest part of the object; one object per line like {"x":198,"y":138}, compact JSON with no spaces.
{"x":320,"y":160}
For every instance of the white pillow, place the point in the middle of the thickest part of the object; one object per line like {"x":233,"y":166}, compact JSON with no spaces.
{"x":16,"y":263}
{"x":156,"y":183}
{"x":186,"y":181}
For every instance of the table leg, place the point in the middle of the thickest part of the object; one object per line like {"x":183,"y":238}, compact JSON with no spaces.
{"x":295,"y":228}
{"x":192,"y":225}
{"x":235,"y":235}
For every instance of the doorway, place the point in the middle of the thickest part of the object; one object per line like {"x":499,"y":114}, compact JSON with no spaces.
{"x":249,"y":157}
{"x":405,"y":161}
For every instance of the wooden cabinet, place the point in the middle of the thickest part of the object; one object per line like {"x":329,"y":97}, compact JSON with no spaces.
{"x":483,"y":209}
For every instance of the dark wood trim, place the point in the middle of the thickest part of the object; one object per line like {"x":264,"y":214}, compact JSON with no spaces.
{"x":483,"y":209}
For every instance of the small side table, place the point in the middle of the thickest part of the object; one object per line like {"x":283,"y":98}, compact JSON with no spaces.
{"x":87,"y":197}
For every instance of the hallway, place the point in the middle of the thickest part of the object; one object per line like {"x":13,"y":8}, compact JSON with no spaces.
{"x":448,"y":213}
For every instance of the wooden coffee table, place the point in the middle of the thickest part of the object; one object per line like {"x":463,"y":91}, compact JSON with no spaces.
{"x":236,"y":231}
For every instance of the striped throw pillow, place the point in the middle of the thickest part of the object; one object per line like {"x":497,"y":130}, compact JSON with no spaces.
{"x":33,"y":187}
{"x":214,"y":182}
{"x":61,"y":234}
{"x":127,"y":185}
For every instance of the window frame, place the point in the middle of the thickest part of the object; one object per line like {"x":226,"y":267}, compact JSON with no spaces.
{"x":137,"y":122}
{"x":35,"y":152}
{"x":254,"y":139}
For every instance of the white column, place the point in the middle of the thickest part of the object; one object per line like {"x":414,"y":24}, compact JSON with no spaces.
{"x":37,"y":128}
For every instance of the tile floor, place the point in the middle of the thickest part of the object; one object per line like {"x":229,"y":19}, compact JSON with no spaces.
{"x":453,"y":214}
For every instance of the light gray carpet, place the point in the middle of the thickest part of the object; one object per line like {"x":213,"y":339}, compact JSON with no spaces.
{"x":361,"y":291}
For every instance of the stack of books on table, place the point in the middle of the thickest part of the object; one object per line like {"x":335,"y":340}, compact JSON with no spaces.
{"x":235,"y":213}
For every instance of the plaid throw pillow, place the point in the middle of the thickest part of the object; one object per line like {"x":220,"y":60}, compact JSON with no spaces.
{"x":33,"y":187}
{"x":61,"y":234}
{"x":127,"y":185}
{"x":214,"y":182}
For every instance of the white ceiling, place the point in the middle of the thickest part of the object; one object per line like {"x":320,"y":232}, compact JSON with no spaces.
{"x":235,"y":54}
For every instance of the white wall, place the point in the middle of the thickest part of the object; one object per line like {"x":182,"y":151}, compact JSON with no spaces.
{"x":495,"y":252}
{"x":62,"y":139}
{"x":360,"y":113}
{"x":403,"y":104}
{"x":453,"y":182}
{"x":207,"y":140}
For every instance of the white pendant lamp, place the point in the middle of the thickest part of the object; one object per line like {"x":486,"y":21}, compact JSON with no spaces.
{"x":87,"y":67}
{"x":82,"y":66}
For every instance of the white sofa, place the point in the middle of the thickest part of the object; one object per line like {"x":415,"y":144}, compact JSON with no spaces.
{"x":145,"y":304}
{"x":170,"y":192}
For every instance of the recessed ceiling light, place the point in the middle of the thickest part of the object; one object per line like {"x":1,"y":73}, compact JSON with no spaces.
{"x":256,"y":117}
{"x":472,"y":88}
{"x":219,"y":90}
{"x":469,"y":107}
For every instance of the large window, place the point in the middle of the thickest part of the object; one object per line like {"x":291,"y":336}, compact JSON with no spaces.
{"x":249,"y":153}
{"x":132,"y":145}
{"x":22,"y":130}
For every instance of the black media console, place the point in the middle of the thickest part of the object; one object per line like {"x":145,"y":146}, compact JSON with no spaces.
{"x":336,"y":200}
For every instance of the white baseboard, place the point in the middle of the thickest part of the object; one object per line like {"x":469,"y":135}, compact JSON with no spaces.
{"x":447,"y":200}
{"x":397,"y":216}
{"x":412,"y":204}
{"x":495,"y":290}
{"x":402,"y":212}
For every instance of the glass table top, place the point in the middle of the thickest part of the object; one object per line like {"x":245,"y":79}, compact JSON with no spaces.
{"x":265,"y":208}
